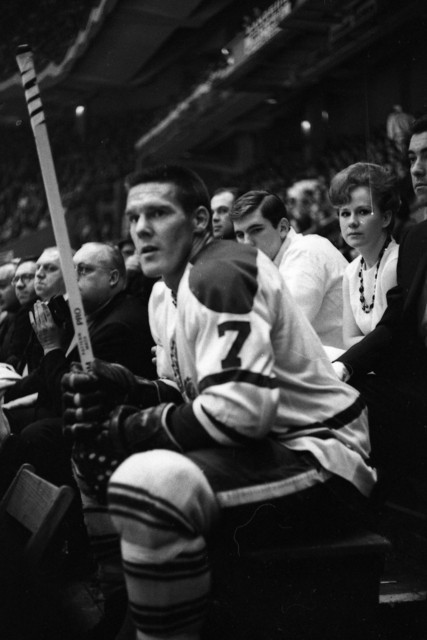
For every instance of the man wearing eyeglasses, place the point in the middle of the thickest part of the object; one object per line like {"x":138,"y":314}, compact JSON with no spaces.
{"x":9,"y":306}
{"x":23,"y":282}
{"x":119,"y":332}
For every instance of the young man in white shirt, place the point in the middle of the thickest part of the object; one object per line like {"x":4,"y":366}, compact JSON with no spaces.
{"x":310,"y":265}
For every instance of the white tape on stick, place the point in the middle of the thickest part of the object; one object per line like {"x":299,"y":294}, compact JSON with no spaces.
{"x":25,"y":62}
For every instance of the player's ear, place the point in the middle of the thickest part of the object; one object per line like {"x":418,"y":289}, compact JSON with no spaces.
{"x":201,"y":220}
{"x":284,"y":226}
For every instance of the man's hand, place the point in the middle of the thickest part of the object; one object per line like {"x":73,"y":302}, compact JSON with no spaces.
{"x":43,"y":324}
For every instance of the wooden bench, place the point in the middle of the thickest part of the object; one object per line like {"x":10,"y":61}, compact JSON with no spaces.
{"x":326,"y":587}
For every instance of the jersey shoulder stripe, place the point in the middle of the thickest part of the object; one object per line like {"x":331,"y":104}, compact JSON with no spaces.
{"x":346,"y":416}
{"x":238,"y":375}
{"x":224,"y":277}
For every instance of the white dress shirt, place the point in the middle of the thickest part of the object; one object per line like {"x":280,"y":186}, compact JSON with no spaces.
{"x":313,"y":270}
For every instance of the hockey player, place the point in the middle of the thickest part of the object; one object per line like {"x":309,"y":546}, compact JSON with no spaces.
{"x":249,"y":410}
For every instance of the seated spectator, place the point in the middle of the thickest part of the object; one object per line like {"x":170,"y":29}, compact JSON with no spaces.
{"x":48,"y":283}
{"x":396,"y":349}
{"x":310,"y":265}
{"x":252,"y":413}
{"x":221,"y":205}
{"x":367,"y":199}
{"x":9,"y":306}
{"x":119,"y":332}
{"x":23,"y":282}
{"x":127,"y":248}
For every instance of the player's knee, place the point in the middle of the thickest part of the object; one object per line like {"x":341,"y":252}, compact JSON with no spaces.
{"x":167,"y":477}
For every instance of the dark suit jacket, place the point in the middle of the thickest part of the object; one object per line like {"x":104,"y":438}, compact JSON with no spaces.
{"x":119,"y":332}
{"x":394,"y":348}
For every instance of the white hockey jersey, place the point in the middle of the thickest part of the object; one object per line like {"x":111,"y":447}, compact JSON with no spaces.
{"x":249,"y":364}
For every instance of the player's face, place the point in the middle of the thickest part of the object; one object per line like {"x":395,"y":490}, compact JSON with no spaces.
{"x":417,"y":154}
{"x":221,"y":205}
{"x":24,"y":282}
{"x":48,"y":281}
{"x":162,"y":232}
{"x":257,"y":231}
{"x":361,"y":221}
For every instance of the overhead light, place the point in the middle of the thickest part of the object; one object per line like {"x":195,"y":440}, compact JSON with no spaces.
{"x":80,"y":110}
{"x":305,"y":126}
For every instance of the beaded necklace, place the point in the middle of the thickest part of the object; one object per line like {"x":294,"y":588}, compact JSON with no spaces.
{"x":367,"y":308}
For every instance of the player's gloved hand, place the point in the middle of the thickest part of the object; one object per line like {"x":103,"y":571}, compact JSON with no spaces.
{"x":128,"y":430}
{"x":131,"y":430}
{"x":88,"y":398}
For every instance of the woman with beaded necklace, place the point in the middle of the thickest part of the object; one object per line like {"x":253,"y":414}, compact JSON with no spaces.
{"x":367,"y":200}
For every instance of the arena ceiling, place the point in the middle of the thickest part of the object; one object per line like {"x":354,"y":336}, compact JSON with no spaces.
{"x":134,"y":54}
{"x":147,"y":56}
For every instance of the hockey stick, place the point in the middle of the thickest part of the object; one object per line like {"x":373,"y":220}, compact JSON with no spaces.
{"x":24,"y":58}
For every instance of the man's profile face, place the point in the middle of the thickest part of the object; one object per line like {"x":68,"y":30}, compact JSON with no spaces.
{"x":257,"y":231}
{"x":417,"y":154}
{"x":161,"y":230}
{"x":221,"y":205}
{"x":48,"y":280}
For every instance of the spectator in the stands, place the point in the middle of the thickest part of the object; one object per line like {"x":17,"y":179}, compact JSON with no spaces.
{"x":48,"y":282}
{"x":399,"y":126}
{"x":127,"y":248}
{"x":310,"y":265}
{"x":396,"y":349}
{"x":221,"y":204}
{"x":9,"y":306}
{"x":367,"y":200}
{"x":119,"y":332}
{"x":23,"y":282}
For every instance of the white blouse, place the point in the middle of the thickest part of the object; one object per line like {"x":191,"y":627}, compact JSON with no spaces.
{"x":357,"y":323}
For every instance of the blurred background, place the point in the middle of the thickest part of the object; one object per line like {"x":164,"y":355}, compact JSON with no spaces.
{"x":257,"y":94}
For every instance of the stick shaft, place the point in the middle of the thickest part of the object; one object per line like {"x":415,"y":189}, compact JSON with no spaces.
{"x":35,"y":108}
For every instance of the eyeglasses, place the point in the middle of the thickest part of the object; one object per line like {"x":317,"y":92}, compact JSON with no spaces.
{"x":85,"y":269}
{"x":25,"y":278}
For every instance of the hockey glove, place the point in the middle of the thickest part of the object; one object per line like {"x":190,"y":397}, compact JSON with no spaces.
{"x":126,"y":431}
{"x":89,"y":397}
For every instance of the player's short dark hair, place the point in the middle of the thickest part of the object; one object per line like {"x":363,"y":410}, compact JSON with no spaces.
{"x":191,"y":191}
{"x":271,"y":206}
{"x":381,"y":183}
